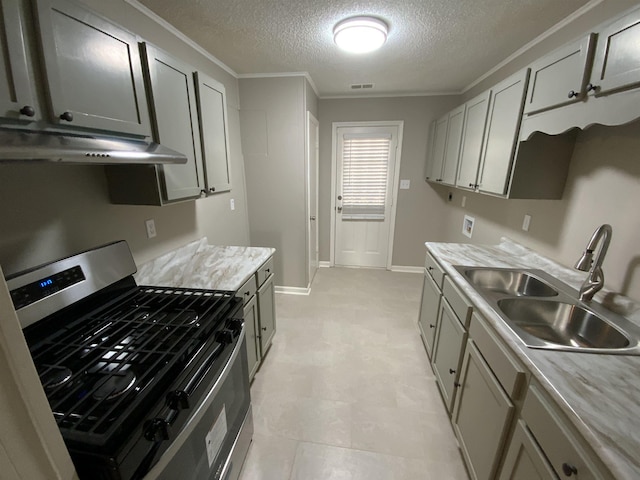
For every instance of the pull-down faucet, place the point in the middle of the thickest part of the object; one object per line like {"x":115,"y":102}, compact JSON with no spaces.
{"x":595,"y":280}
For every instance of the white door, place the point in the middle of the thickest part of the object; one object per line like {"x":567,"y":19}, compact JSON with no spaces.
{"x":365,"y":172}
{"x":312,"y":189}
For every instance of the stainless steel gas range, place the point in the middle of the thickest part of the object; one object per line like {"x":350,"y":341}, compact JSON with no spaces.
{"x":144,"y":382}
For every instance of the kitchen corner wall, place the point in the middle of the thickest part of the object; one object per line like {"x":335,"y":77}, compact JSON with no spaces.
{"x":419,"y":215}
{"x":603,"y":186}
{"x":50,"y":211}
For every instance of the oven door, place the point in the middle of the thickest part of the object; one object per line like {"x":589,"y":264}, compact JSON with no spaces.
{"x":213,"y":443}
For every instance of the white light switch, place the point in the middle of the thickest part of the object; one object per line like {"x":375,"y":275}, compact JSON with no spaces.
{"x":151,"y":228}
{"x":405,"y":184}
{"x":526,"y":222}
{"x":232,"y":204}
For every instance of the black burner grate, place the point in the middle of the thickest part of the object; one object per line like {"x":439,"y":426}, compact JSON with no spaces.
{"x":108,"y":367}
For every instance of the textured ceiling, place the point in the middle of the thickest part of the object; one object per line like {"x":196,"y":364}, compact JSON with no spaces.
{"x":433,"y":45}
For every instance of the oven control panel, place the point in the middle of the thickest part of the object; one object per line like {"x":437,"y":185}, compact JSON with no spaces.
{"x":46,"y":286}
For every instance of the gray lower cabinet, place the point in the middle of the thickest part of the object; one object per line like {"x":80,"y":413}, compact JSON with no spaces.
{"x":429,"y":308}
{"x":259,"y":314}
{"x":93,"y":70}
{"x":251,"y":328}
{"x":449,"y":342}
{"x":16,"y":94}
{"x":525,"y":460}
{"x":482,"y":415}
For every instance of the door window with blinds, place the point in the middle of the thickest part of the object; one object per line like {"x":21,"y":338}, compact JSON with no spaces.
{"x":365,"y":171}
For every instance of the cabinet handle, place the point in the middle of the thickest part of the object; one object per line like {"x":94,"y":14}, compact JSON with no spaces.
{"x":569,"y":469}
{"x":67,"y":116}
{"x":28,"y":111}
{"x":452,"y":371}
{"x":572,"y":94}
{"x":432,"y":326}
{"x":592,"y":88}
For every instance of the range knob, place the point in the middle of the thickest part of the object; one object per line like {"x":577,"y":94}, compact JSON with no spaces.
{"x":156,"y":430}
{"x":225,"y":337}
{"x":235,"y":325}
{"x":178,"y":400}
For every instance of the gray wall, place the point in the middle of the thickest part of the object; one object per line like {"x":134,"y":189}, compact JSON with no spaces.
{"x":48,"y":211}
{"x":273,"y":142}
{"x":419,"y":214}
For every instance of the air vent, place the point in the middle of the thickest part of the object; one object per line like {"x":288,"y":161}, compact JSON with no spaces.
{"x":361,"y":86}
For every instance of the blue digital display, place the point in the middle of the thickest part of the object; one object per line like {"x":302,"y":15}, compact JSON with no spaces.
{"x":46,"y":283}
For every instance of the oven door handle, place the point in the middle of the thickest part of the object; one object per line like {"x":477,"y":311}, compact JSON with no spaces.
{"x":191,"y":424}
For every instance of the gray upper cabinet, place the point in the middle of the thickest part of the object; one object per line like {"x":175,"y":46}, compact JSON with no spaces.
{"x":16,"y":95}
{"x":175,"y":123}
{"x":475,"y":119}
{"x":560,"y":77}
{"x":501,"y":134}
{"x":452,"y":150}
{"x":93,"y":70}
{"x":212,"y":113}
{"x":617,"y":60}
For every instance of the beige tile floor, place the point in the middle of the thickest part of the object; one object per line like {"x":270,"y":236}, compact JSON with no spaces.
{"x":346,"y":392}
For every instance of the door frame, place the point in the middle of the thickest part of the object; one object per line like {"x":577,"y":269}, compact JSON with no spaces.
{"x":309,"y":164}
{"x":396,"y":181}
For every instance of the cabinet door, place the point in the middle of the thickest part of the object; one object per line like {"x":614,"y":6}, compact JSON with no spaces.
{"x":452,"y":150}
{"x":16,"y":96}
{"x":176,"y":125}
{"x":482,"y":416}
{"x":450,"y":339}
{"x":212,"y":113}
{"x":267,"y":314}
{"x":524,"y":459}
{"x":250,"y":327}
{"x":501,"y":135}
{"x":617,"y":60}
{"x":429,"y":308}
{"x":93,"y":70}
{"x":560,"y":77}
{"x":439,"y":147}
{"x":475,"y":119}
{"x":429,"y":170}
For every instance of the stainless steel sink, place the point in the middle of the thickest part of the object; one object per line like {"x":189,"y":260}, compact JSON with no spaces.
{"x":510,"y":282}
{"x":546,"y":313}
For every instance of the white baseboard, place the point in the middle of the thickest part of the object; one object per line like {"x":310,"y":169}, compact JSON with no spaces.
{"x":293,"y":290}
{"x":399,"y":268}
{"x":324,"y":264}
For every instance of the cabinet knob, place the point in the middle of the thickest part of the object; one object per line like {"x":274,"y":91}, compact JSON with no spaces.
{"x":457,"y":385}
{"x":212,"y":189}
{"x":569,"y":469}
{"x":267,"y":270}
{"x":247,"y":293}
{"x":264,"y":329}
{"x":28,"y":111}
{"x":203,"y":192}
{"x":572,"y":94}
{"x":452,"y":371}
{"x":592,"y":88}
{"x":67,"y":117}
{"x":471,"y":185}
{"x":432,"y":326}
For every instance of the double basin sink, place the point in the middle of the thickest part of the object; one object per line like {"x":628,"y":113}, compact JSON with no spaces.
{"x":546,"y":313}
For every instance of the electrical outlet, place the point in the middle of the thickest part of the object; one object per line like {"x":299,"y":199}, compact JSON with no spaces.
{"x":405,"y":184}
{"x":464,"y":201}
{"x":526,"y":222}
{"x":232,"y":204}
{"x":151,"y":228}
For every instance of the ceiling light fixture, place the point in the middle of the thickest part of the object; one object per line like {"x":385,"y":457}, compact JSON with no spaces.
{"x":360,"y":34}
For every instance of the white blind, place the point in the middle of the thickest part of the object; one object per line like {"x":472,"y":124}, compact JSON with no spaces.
{"x":365,"y":166}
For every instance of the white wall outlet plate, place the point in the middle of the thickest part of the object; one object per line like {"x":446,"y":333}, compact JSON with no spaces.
{"x":526,"y":222}
{"x":405,"y":184}
{"x":467,"y":225}
{"x":151,"y":228}
{"x":232,"y":204}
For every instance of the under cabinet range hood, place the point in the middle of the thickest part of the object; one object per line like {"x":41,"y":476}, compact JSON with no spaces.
{"x":31,"y":146}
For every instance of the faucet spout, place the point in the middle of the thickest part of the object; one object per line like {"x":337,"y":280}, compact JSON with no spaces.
{"x":595,"y":280}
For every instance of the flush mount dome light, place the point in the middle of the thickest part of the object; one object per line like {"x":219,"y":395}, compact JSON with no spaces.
{"x":360,"y":34}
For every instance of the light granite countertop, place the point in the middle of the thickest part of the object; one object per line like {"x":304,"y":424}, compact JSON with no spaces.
{"x":600,"y":394}
{"x":200,"y":265}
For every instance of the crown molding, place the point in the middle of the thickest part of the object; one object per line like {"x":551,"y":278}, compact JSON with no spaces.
{"x":283,"y":75}
{"x":391,"y":95}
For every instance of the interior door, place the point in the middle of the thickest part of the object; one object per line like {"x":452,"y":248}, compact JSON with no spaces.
{"x":365,"y":167}
{"x":312,"y":189}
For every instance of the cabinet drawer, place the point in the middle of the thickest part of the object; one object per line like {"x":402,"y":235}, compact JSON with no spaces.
{"x":507,"y":370}
{"x":248,"y":290}
{"x":435,"y":270}
{"x":458,"y":302}
{"x":265,"y":270}
{"x":554,"y":437}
